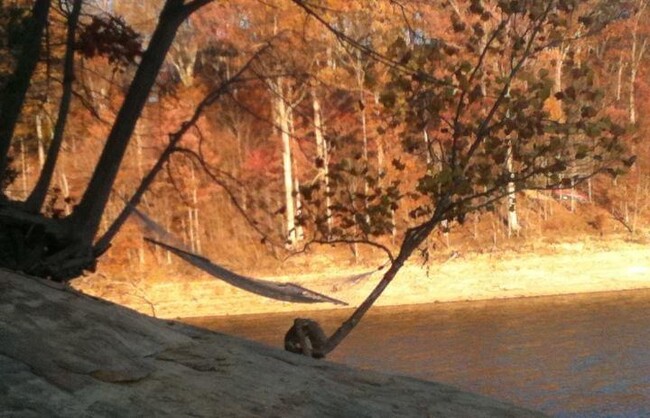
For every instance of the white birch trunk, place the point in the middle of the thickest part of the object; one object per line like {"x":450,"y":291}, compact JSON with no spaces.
{"x":23,"y":167}
{"x":322,"y":154}
{"x":190,"y":228}
{"x":139,"y":160}
{"x":282,"y":114}
{"x":633,"y":94}
{"x":562,"y":52}
{"x":195,"y":233}
{"x":619,"y":78}
{"x":300,"y":233}
{"x":65,"y":188}
{"x":197,"y":226}
{"x":427,"y":145}
{"x":637,"y":56}
{"x":513,"y":222}
{"x":40,"y":138}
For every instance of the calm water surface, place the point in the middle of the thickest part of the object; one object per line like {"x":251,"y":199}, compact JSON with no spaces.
{"x":569,"y":356}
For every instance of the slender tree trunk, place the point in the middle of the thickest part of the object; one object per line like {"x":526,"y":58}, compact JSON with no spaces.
{"x":414,"y":237}
{"x":573,"y":200}
{"x":24,"y":169}
{"x":139,"y":155}
{"x":513,"y":222}
{"x":282,"y":114}
{"x":189,"y":228}
{"x":65,"y":189}
{"x":427,"y":145}
{"x":300,"y":233}
{"x":636,"y":56}
{"x":13,"y":94}
{"x":37,"y":197}
{"x":364,"y":127}
{"x":561,"y":54}
{"x":87,"y":216}
{"x":194,"y":211}
{"x":619,"y":78}
{"x":632,"y":104}
{"x":41,"y":139}
{"x":243,"y":197}
{"x":322,"y":153}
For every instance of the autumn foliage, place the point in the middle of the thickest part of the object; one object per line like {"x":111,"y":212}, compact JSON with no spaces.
{"x":351,"y":125}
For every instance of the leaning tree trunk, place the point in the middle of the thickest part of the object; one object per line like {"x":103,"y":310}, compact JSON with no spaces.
{"x":87,"y":216}
{"x":61,"y":249}
{"x":104,"y":242}
{"x":413,"y":239}
{"x":14,"y":92}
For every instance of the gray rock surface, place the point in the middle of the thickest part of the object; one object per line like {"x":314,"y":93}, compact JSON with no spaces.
{"x":64,"y":354}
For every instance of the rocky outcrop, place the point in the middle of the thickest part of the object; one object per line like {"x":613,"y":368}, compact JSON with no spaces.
{"x":64,"y":354}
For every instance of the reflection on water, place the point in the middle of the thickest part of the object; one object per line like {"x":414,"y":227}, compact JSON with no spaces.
{"x":583,"y":355}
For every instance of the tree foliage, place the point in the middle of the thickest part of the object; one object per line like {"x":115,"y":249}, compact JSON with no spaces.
{"x":329,"y":122}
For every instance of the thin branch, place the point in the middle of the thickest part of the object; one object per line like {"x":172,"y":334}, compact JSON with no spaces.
{"x":365,"y":49}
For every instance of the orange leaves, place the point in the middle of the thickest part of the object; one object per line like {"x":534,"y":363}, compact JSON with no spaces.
{"x":554,"y":108}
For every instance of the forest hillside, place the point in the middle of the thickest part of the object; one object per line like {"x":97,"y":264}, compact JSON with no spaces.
{"x":288,"y":136}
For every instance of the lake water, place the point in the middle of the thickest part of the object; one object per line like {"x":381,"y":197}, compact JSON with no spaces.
{"x":568,"y":356}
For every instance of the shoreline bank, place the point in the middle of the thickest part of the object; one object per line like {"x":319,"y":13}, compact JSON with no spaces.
{"x":67,"y":355}
{"x":552,"y":270}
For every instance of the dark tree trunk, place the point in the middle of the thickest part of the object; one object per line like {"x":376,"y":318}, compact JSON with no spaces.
{"x":37,"y":197}
{"x":414,"y":237}
{"x":62,"y":248}
{"x":104,"y":242}
{"x":14,"y":92}
{"x":87,"y":216}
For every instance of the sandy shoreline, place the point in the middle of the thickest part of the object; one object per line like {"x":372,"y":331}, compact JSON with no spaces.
{"x":559,"y":269}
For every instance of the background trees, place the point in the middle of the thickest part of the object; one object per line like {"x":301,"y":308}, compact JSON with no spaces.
{"x":360,"y":123}
{"x":62,"y":249}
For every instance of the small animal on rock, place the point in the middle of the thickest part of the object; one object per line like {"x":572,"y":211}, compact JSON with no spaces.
{"x":306,"y":337}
